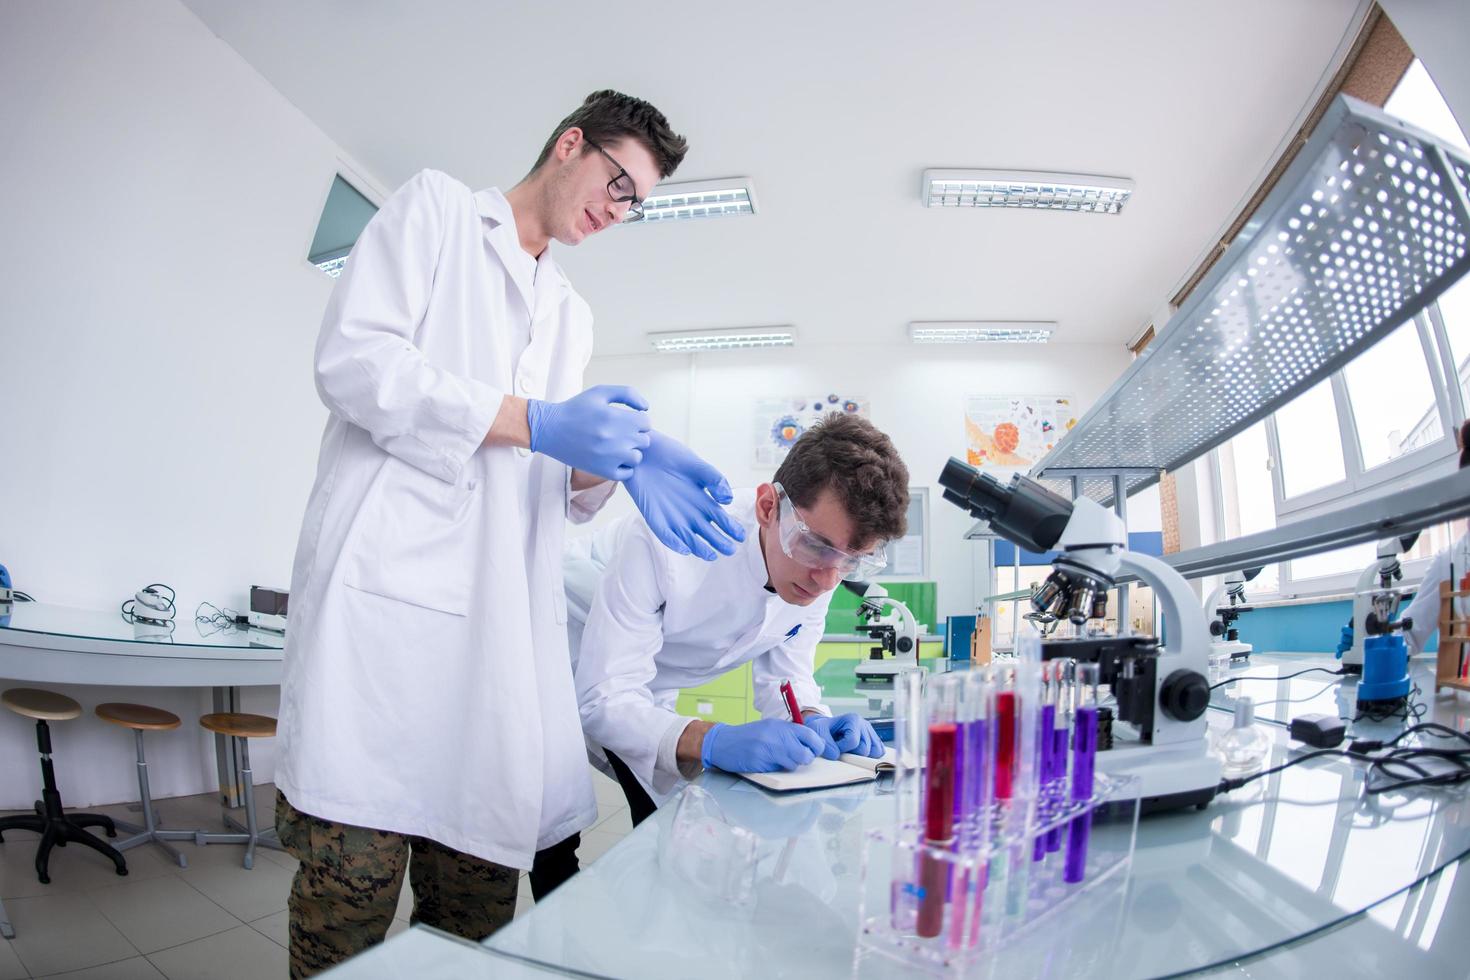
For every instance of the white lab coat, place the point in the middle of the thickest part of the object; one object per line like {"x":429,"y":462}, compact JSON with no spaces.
{"x":1424,"y":610}
{"x":427,"y":689}
{"x":657,"y":622}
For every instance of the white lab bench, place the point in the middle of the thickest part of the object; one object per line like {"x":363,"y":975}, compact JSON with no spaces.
{"x":45,"y":644}
{"x":1298,"y":874}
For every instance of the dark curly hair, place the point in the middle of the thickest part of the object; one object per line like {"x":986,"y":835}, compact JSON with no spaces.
{"x":1464,"y":444}
{"x":848,"y":454}
{"x":606,"y":116}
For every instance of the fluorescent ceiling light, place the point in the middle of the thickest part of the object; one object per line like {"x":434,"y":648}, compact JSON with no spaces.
{"x":699,"y":199}
{"x":1020,"y":189}
{"x":683,"y":341}
{"x":980,"y":331}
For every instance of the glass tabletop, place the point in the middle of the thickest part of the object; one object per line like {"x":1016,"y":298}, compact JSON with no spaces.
{"x":45,"y":619}
{"x":1267,"y":865}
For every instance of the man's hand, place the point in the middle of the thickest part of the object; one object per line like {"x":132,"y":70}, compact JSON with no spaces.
{"x":760,"y":746}
{"x":849,"y":733}
{"x":679,"y":495}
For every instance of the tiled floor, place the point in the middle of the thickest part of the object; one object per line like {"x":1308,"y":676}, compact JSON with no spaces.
{"x":211,"y":920}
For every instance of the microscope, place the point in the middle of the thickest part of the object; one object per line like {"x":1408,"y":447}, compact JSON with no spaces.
{"x":1225,"y":605}
{"x":897,"y":633}
{"x":1379,"y":652}
{"x":1161,"y":692}
{"x":1376,"y":599}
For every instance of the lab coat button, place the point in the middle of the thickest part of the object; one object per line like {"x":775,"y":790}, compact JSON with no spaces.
{"x":522,"y":451}
{"x":524,"y":383}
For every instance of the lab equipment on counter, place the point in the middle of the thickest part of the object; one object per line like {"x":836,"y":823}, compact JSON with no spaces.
{"x":995,"y":795}
{"x":152,"y":605}
{"x":1375,"y":599}
{"x":268,"y":608}
{"x":1160,"y":692}
{"x":1224,"y":606}
{"x":1243,"y":746}
{"x":897,"y":633}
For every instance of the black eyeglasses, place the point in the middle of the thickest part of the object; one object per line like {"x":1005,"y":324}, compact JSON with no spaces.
{"x":621,"y":188}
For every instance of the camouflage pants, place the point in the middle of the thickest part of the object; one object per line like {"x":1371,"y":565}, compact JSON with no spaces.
{"x":346,"y":889}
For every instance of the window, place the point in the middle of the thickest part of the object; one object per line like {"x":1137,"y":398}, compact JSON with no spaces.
{"x":1309,"y":442}
{"x":1247,"y":500}
{"x":345,"y":215}
{"x":1454,"y":311}
{"x":1394,"y":408}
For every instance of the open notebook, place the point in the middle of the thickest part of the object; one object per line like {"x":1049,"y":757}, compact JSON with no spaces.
{"x":822,"y":773}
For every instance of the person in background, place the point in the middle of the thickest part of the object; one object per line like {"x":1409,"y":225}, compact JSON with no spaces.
{"x":428,"y":716}
{"x":1450,"y":565}
{"x":647,"y":623}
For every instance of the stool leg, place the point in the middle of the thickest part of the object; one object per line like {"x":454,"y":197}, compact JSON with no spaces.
{"x":150,"y":832}
{"x":43,"y":853}
{"x":6,"y":929}
{"x":74,"y":833}
{"x":248,"y":778}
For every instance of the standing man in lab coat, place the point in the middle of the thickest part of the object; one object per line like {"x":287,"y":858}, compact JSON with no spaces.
{"x":428,"y":716}
{"x":656,"y":622}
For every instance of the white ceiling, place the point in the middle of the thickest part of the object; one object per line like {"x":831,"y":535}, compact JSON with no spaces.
{"x":834,"y":109}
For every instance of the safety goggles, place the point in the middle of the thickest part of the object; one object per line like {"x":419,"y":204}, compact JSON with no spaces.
{"x":802,"y":544}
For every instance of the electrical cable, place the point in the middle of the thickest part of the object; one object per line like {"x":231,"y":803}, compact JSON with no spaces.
{"x":1284,"y":677}
{"x":1400,"y":765}
{"x":217,"y":621}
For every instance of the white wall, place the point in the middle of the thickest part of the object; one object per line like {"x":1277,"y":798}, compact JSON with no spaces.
{"x":155,"y":344}
{"x":917,"y":396}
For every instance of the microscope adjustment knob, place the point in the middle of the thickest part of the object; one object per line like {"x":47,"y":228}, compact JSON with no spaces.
{"x":904,"y":644}
{"x":1217,"y":628}
{"x":1185,"y":695}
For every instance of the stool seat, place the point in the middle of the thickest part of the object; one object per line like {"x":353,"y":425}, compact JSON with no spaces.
{"x":240,"y":724}
{"x":140,"y":717}
{"x":41,"y":705}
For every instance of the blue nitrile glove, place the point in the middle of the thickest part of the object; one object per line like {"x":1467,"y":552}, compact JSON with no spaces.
{"x":603,"y":431}
{"x":845,"y":733}
{"x":760,"y":746}
{"x":679,"y":495}
{"x":1345,"y":641}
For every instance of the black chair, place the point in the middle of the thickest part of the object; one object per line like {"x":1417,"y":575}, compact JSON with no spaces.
{"x":56,"y":827}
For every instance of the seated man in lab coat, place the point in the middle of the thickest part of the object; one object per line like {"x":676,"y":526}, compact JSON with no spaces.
{"x":646,"y":622}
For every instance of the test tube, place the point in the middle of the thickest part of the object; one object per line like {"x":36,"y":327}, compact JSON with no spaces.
{"x":1046,"y":746}
{"x":1061,"y":739}
{"x":1026,"y":768}
{"x":909,"y":724}
{"x":972,"y":798}
{"x":939,"y":786}
{"x":1084,"y":751}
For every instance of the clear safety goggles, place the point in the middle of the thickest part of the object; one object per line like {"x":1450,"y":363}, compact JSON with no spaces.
{"x":801,"y":544}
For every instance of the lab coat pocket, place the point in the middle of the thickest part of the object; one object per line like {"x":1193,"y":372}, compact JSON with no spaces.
{"x":416,"y":540}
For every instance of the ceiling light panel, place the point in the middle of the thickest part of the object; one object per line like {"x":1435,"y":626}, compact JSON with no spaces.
{"x":1020,"y":189}
{"x":980,"y":331}
{"x":699,"y":199}
{"x":744,"y":338}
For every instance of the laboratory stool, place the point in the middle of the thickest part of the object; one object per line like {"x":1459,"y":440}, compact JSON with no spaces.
{"x":142,"y":718}
{"x":242,"y":727}
{"x":56,"y":827}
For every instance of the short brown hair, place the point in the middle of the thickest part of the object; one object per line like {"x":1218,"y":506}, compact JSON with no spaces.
{"x":848,"y":454}
{"x":1464,"y":441}
{"x":606,"y":116}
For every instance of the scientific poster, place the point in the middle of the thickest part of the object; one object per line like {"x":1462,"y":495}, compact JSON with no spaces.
{"x":1014,"y":431}
{"x":779,"y":422}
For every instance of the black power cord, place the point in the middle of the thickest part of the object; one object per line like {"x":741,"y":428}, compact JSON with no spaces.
{"x":1284,"y":677}
{"x":1400,"y":766}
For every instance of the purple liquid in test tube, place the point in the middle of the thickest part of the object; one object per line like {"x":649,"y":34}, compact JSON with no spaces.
{"x":1084,"y":750}
{"x":1048,"y":771}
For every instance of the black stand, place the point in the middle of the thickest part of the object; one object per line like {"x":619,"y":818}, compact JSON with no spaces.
{"x":56,"y":827}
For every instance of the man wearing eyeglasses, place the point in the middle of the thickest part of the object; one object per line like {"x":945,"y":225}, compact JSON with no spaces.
{"x":656,"y":623}
{"x":428,"y":722}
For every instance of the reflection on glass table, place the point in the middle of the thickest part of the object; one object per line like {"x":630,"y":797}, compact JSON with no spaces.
{"x":1266,"y":865}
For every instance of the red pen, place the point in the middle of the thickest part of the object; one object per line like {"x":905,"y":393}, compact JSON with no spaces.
{"x":790,"y":695}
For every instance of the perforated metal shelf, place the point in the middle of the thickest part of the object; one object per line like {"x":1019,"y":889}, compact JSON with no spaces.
{"x":1366,"y":227}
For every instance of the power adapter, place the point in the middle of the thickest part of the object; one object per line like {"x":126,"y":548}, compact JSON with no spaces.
{"x":1320,"y":731}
